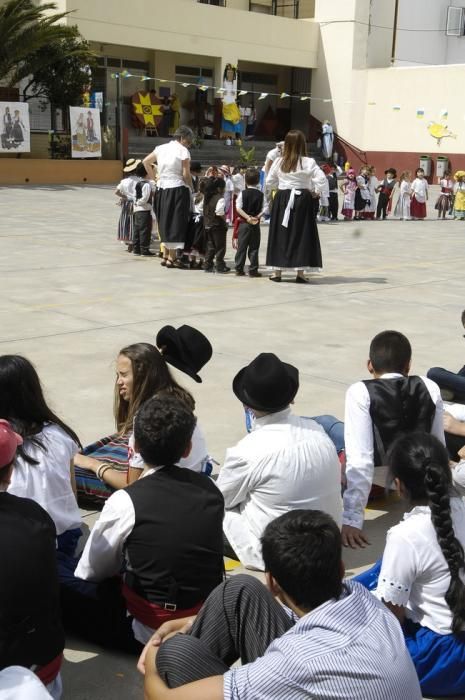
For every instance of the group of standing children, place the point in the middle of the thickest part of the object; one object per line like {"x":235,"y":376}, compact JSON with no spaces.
{"x":360,"y":195}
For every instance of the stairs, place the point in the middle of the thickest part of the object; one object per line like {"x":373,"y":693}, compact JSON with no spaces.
{"x":208,"y":152}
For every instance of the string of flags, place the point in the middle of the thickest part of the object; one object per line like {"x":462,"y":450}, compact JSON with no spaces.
{"x":303,"y":97}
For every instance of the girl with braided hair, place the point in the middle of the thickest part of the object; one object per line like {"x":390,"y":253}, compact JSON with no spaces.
{"x":422,"y":572}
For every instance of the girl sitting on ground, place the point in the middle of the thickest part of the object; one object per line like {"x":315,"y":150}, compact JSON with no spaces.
{"x":43,"y":468}
{"x":108,"y":464}
{"x":421,"y":575}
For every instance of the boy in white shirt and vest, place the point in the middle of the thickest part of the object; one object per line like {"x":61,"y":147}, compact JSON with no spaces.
{"x":376,"y":412}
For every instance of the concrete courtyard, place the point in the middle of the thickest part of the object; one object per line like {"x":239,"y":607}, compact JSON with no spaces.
{"x":71,"y":297}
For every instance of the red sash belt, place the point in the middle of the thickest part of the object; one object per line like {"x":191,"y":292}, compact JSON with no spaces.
{"x":154,"y":615}
{"x":48,"y":673}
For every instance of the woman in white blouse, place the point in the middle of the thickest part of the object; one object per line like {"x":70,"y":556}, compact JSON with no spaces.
{"x":293,"y":241}
{"x":173,"y":197}
{"x":422,"y":570}
{"x":43,"y":469}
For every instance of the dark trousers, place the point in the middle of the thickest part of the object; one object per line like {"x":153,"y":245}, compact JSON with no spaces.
{"x":248,"y":241}
{"x":333,"y":205}
{"x":452,"y":381}
{"x":142,"y":231}
{"x":239,"y":620}
{"x":216,"y":246}
{"x":381,"y":209}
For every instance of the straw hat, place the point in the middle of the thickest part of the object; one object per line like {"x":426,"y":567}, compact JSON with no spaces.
{"x":131,"y":165}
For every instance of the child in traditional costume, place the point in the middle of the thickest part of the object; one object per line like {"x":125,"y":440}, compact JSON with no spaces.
{"x":444,"y":201}
{"x":459,"y":195}
{"x":385,"y":189}
{"x":348,"y":189}
{"x":402,"y":209}
{"x":419,"y":196}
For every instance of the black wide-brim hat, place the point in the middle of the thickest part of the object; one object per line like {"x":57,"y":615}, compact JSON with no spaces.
{"x":185,"y":348}
{"x":267,"y":384}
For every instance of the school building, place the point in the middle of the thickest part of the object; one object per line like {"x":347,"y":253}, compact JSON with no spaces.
{"x":387,"y":74}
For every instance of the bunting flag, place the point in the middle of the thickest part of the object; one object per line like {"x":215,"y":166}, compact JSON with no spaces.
{"x":242,"y":93}
{"x":263,"y":95}
{"x":444,"y":113}
{"x":304,"y":97}
{"x":420,"y":113}
{"x":396,"y":108}
{"x":283,"y":95}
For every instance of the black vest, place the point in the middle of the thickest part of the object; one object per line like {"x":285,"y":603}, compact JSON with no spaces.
{"x":174,"y":553}
{"x":397,"y":406}
{"x":252,"y":201}
{"x":30,"y":621}
{"x":209,"y":217}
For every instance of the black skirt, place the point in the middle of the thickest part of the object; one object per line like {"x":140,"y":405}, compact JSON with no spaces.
{"x":195,"y":240}
{"x":296,"y":247}
{"x":173,"y":211}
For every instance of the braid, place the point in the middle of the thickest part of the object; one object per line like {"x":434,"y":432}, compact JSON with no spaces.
{"x":437,"y":486}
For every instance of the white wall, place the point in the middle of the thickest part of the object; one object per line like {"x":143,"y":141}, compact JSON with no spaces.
{"x":188,"y":27}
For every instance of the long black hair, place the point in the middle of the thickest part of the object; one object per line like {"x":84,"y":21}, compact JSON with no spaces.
{"x":421,"y":463}
{"x":22,"y":402}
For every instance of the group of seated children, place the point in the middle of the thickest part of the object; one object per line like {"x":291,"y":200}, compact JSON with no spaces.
{"x":153,"y":564}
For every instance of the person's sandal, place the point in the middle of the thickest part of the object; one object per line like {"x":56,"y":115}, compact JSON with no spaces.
{"x":164,"y":262}
{"x":275,"y":278}
{"x":169,"y":264}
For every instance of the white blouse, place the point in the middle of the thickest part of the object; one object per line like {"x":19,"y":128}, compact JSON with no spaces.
{"x":308,"y":176}
{"x":420,"y":189}
{"x":170,"y":157}
{"x":414,"y":573}
{"x":49,"y":482}
{"x":127,"y":187}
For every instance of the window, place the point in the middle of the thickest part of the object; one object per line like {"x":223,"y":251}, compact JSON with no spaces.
{"x":455,"y":21}
{"x":280,"y":8}
{"x":218,"y":3}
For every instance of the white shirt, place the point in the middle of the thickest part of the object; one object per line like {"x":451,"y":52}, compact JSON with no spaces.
{"x":49,"y":482}
{"x":286,"y":462}
{"x":358,"y":438}
{"x":127,"y":187}
{"x":195,"y":460}
{"x":308,"y":176}
{"x":18,"y":683}
{"x":239,"y":199}
{"x":414,"y":573}
{"x":103,"y":554}
{"x":273,"y":154}
{"x":238,"y":182}
{"x":170,"y":157}
{"x":143,"y":204}
{"x":220,"y":209}
{"x":420,"y":189}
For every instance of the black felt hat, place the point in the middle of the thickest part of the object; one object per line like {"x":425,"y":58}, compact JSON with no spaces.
{"x":267,"y":384}
{"x":185,"y":348}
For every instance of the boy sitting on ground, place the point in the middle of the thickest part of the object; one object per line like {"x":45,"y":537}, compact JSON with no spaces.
{"x":376,"y":412}
{"x":329,"y":639}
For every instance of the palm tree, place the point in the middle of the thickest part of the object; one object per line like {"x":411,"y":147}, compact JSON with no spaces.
{"x":24,"y":29}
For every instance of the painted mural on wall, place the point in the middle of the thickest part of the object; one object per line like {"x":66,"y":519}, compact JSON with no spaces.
{"x":86,"y":140}
{"x":15,"y":133}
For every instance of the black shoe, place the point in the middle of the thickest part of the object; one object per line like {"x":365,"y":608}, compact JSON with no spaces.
{"x":223,"y":270}
{"x":208,"y":269}
{"x":255,"y":273}
{"x":274,"y":279}
{"x":130,"y":248}
{"x":301,"y":280}
{"x":136,"y":252}
{"x":148,"y":254}
{"x":240,"y":273}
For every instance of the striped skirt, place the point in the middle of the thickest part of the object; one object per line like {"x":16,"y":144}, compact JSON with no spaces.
{"x":125,"y":223}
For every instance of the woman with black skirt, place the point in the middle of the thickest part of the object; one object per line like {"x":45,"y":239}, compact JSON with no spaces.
{"x":293,"y":242}
{"x":173,"y":197}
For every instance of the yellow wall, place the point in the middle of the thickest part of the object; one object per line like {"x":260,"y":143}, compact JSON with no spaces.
{"x":59,"y":172}
{"x":189,"y":27}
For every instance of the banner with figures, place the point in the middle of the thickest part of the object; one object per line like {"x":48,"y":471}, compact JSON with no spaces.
{"x":15,"y":136}
{"x":86,"y":139}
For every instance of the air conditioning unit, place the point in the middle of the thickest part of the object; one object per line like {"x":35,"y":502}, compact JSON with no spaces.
{"x":455,"y":25}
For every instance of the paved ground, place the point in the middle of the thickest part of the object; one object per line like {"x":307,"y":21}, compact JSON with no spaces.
{"x":71,"y":298}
